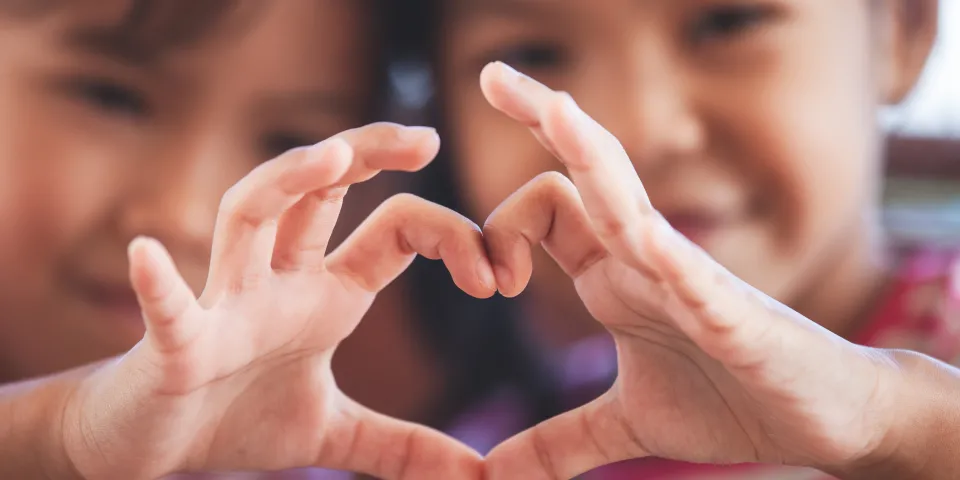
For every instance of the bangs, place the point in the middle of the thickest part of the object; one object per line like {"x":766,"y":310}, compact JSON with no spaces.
{"x":146,"y":29}
{"x":151,"y":27}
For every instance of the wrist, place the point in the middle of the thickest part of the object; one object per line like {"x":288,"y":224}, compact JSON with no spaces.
{"x":923,"y":428}
{"x":32,"y":440}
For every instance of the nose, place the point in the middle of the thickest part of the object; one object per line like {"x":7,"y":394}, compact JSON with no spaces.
{"x":177,"y":195}
{"x":647,"y":105}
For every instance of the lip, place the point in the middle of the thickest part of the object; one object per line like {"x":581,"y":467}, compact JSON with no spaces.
{"x":115,"y":302}
{"x":698,"y":227}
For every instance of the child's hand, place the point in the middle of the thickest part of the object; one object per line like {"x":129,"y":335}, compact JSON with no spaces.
{"x":711,"y":370}
{"x":240,"y":378}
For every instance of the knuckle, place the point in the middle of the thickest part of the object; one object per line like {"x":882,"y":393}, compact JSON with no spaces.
{"x":235,"y":209}
{"x":610,"y":227}
{"x":544,"y":457}
{"x":296,"y":155}
{"x":375,"y":131}
{"x":332,"y":194}
{"x":399,"y":209}
{"x":552,"y":180}
{"x":403,"y":202}
{"x":232,"y":200}
{"x":553,"y":186}
{"x":562,"y":99}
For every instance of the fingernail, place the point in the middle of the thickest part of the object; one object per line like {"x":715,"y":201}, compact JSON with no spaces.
{"x":487,"y":278}
{"x":417,"y":133}
{"x":510,"y":71}
{"x":150,"y":248}
{"x":504,"y":278}
{"x":142,"y":240}
{"x":513,"y":77}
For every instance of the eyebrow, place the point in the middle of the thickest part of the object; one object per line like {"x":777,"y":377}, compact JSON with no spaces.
{"x":112,"y":44}
{"x":461,"y":9}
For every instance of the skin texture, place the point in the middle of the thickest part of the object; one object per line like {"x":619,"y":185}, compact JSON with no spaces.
{"x":751,"y":123}
{"x":240,"y":378}
{"x":710,"y":369}
{"x":207,"y":366}
{"x":96,"y":149}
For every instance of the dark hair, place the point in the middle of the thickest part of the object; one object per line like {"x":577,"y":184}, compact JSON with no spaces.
{"x":484,"y":343}
{"x":147,"y":28}
{"x":150,"y":28}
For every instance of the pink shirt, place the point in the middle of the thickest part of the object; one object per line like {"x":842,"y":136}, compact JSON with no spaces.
{"x":919,"y":312}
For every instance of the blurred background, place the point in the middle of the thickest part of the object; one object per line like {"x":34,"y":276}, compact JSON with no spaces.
{"x":424,"y":352}
{"x":923,"y":191}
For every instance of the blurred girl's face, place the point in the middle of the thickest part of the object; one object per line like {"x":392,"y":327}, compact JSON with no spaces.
{"x":751,"y":122}
{"x":99,"y":144}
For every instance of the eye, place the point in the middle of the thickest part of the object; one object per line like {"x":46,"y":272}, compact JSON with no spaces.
{"x":532,"y":57}
{"x":275,"y":144}
{"x":110,"y":97}
{"x":728,"y":21}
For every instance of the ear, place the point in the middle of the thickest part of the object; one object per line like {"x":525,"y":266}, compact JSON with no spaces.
{"x":907,"y":31}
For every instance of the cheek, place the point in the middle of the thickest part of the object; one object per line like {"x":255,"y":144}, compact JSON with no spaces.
{"x":833,"y":173}
{"x":811,"y":152}
{"x":54,"y":186}
{"x":494,"y":156}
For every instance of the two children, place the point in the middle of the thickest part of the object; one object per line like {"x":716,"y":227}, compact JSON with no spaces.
{"x":721,"y":110}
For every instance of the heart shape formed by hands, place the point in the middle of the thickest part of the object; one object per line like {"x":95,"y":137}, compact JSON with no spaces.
{"x":240,"y":378}
{"x":711,"y":370}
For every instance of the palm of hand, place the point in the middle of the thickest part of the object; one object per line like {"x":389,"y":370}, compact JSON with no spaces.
{"x":674,"y":400}
{"x":275,"y":377}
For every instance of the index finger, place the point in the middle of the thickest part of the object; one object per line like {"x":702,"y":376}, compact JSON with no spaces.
{"x":400,"y":229}
{"x":388,"y":146}
{"x":548,"y":211}
{"x":247,"y":224}
{"x":611,"y":191}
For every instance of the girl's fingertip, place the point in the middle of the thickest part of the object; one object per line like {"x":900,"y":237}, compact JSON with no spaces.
{"x":419,"y":132}
{"x":133,"y":246}
{"x":142,"y":255}
{"x":494,"y":68}
{"x":503,"y":74}
{"x":508,"y":71}
{"x":504,"y":280}
{"x":142,"y":244}
{"x":487,"y":277}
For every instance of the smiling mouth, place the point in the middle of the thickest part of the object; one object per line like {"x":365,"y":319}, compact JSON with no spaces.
{"x":699,"y":228}
{"x":117,"y":303}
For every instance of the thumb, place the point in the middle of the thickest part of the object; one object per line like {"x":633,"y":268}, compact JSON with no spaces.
{"x":568,"y":445}
{"x":361,"y":440}
{"x":165,"y":299}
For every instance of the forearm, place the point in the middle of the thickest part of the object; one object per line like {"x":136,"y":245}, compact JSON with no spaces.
{"x":30,"y":427}
{"x":924,"y":444}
